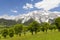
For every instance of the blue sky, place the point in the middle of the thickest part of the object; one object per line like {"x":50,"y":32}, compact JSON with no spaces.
{"x":16,"y":7}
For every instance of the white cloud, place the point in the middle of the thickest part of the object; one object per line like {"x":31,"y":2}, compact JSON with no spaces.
{"x":27,"y":6}
{"x":5,"y":16}
{"x":32,"y":0}
{"x":47,"y":4}
{"x":14,"y":11}
{"x":56,"y":12}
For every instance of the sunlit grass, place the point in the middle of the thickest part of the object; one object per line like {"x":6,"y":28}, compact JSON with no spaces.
{"x":40,"y":36}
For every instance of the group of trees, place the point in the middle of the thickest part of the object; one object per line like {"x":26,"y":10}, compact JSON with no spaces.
{"x":33,"y":27}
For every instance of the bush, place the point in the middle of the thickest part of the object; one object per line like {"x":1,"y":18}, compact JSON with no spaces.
{"x":5,"y":33}
{"x":11,"y":32}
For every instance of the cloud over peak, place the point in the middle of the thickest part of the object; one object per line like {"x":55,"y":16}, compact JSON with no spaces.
{"x":27,"y":6}
{"x":14,"y":11}
{"x":47,"y":4}
{"x":5,"y":16}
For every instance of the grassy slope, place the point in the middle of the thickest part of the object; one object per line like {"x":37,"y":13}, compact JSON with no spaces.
{"x":39,"y":36}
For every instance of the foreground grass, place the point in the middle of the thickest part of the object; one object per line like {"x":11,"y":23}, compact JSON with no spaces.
{"x":40,"y":36}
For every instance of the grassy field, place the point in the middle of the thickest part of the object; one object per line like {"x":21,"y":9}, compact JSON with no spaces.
{"x":40,"y":36}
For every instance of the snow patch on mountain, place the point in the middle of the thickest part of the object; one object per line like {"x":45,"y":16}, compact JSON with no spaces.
{"x":38,"y":15}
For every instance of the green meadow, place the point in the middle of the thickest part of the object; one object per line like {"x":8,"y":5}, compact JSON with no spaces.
{"x":33,"y":31}
{"x":54,"y":35}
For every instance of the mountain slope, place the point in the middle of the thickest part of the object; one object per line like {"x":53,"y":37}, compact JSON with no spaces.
{"x":6,"y":22}
{"x":39,"y":16}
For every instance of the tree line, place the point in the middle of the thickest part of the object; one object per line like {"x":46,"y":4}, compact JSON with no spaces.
{"x":33,"y":27}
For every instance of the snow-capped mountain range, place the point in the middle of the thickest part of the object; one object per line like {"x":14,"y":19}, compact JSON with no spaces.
{"x":39,"y":16}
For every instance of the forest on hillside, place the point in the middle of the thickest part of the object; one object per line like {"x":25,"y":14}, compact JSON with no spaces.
{"x":12,"y":28}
